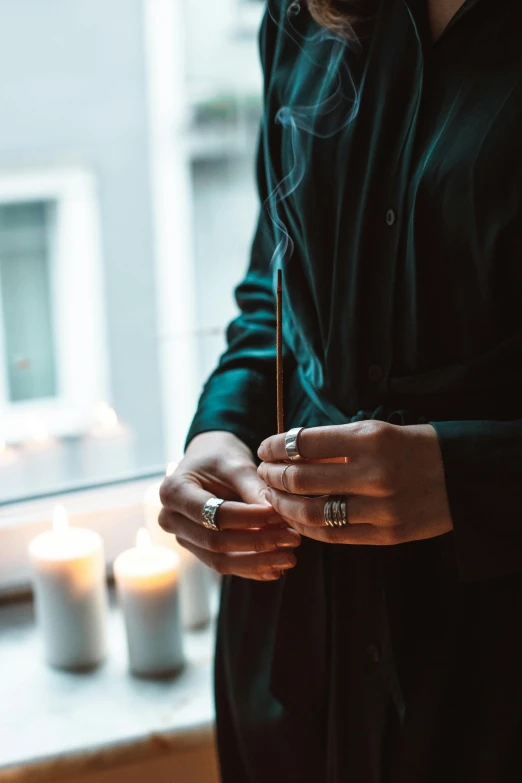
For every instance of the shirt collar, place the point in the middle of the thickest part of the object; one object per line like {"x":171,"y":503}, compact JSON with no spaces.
{"x":419,"y":13}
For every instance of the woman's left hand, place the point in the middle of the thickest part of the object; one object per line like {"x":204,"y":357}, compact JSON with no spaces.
{"x":393,"y":479}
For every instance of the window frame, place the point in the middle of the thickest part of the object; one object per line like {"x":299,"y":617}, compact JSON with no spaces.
{"x":79,"y":328}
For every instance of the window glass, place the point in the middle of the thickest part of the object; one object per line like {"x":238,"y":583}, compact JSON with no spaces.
{"x":25,"y":248}
{"x":127,"y":206}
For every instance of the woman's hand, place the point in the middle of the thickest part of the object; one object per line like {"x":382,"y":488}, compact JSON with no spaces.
{"x":253,"y":541}
{"x":393,"y":478}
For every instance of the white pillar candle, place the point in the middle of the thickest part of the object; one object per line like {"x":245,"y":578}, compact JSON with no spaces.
{"x":194,"y":575}
{"x":70,"y":592}
{"x":147,"y":578}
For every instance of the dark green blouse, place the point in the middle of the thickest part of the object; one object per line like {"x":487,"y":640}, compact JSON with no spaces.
{"x":405,"y":282}
{"x":396,"y":169}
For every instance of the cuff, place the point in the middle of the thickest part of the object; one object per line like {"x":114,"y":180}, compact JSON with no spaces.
{"x":483,"y":471}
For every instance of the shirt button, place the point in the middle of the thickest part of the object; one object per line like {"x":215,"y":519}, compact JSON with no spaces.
{"x":375,"y":372}
{"x":391,"y":217}
{"x":373,"y":653}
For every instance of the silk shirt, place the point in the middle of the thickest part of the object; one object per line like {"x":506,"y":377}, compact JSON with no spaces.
{"x":390,"y":182}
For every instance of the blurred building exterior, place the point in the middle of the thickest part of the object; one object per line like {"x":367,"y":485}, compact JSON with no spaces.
{"x":127,"y":205}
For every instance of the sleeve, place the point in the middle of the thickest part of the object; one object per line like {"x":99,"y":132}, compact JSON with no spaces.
{"x":483,"y":470}
{"x":240,"y":395}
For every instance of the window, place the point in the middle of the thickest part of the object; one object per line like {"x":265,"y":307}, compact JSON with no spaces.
{"x":29,"y":346}
{"x":249,"y":14}
{"x":127,"y":205}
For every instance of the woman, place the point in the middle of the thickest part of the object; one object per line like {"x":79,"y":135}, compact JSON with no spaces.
{"x":391,"y":649}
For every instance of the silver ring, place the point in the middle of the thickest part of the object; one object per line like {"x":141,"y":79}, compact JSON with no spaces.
{"x":208,"y":515}
{"x":283,"y":479}
{"x":291,"y":438}
{"x":335,"y":513}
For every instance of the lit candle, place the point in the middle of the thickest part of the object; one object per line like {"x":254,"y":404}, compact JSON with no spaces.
{"x":70,"y":592}
{"x":39,"y":439}
{"x":194,"y":575}
{"x":106,"y":423}
{"x":108,"y":446}
{"x":147,"y":579}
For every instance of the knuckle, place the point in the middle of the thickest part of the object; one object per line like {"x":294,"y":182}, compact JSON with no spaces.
{"x":313,"y":514}
{"x":295,"y":480}
{"x":169,"y":489}
{"x":234,"y":465}
{"x":164,"y":521}
{"x":259,"y":543}
{"x":269,"y":451}
{"x":212,"y":541}
{"x":275,"y":502}
{"x":384,"y":480}
{"x":376,"y":432}
{"x":390,"y":515}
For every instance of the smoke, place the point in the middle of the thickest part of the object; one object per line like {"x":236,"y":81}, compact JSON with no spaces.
{"x":337,"y":105}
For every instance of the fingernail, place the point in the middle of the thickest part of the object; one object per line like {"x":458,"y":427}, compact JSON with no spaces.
{"x":285,"y":561}
{"x":289,"y":539}
{"x":261,"y":451}
{"x":271,"y":576}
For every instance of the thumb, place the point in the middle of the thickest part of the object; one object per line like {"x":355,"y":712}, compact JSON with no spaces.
{"x":249,"y":486}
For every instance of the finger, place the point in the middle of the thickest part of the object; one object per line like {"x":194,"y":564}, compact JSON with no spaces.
{"x":303,"y":478}
{"x":251,"y":566}
{"x":183,"y":495}
{"x":341,"y":440}
{"x":308,"y":512}
{"x":356,"y":535}
{"x":248,"y":485}
{"x":361,"y":511}
{"x":266,"y":540}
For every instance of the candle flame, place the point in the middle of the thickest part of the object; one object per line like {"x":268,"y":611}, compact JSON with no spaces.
{"x":143,"y":541}
{"x":60,"y":519}
{"x":171,"y":467}
{"x":106,"y":416}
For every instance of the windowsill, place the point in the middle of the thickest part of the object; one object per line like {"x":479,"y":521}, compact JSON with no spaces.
{"x":55,"y":724}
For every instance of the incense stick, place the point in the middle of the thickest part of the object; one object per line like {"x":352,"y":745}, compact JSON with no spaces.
{"x":279,"y":352}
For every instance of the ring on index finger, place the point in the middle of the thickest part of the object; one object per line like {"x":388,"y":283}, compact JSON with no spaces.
{"x":291,"y":443}
{"x":208,"y":515}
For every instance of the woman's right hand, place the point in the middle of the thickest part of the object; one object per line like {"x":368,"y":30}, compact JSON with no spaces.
{"x":253,"y":541}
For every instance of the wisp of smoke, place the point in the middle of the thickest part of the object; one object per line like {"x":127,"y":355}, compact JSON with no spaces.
{"x":317,"y":119}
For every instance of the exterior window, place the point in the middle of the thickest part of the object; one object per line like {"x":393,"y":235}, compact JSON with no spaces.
{"x":127,"y":208}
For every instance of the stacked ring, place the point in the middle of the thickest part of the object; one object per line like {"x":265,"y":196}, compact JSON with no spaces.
{"x":335,"y":514}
